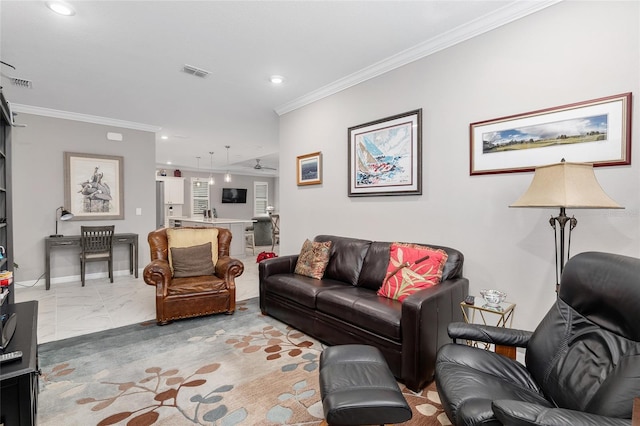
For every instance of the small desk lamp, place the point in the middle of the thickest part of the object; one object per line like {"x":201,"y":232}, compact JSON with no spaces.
{"x":565,"y":185}
{"x":64,"y":215}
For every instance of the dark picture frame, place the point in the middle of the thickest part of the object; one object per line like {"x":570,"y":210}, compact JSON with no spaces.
{"x":597,"y":131}
{"x":94,"y":186}
{"x":385,"y":156}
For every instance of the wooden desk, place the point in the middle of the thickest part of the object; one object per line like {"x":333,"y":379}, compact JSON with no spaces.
{"x":19,"y":379}
{"x":74,"y":241}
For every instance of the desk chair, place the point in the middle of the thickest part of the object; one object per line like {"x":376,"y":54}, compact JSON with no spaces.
{"x":275,"y":229}
{"x":97,"y":245}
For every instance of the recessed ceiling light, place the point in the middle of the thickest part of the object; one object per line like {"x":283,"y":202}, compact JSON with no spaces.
{"x":164,"y":137}
{"x":169,"y":162}
{"x":276,"y":79}
{"x":61,"y":8}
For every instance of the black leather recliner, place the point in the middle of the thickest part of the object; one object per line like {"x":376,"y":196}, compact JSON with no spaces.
{"x":582,"y":361}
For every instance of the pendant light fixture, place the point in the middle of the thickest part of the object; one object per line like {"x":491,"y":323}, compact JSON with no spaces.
{"x":211,"y":181}
{"x":227,"y":176}
{"x":197,"y":178}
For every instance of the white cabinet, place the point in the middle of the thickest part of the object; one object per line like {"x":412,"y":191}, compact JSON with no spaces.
{"x":173,"y":189}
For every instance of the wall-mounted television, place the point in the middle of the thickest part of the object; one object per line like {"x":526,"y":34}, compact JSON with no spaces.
{"x":234,"y":195}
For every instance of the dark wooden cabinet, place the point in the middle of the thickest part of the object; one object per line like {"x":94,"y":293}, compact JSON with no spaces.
{"x":6,"y":224}
{"x":19,"y":379}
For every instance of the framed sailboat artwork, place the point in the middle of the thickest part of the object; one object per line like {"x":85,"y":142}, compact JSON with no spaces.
{"x":385,"y":156}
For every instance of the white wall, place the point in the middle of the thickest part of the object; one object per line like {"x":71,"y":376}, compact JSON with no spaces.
{"x":570,"y":52}
{"x":38,"y":189}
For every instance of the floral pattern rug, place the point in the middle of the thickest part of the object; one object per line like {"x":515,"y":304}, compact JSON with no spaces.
{"x":243,"y":369}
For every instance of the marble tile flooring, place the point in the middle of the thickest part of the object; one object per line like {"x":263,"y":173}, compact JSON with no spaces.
{"x":68,"y":309}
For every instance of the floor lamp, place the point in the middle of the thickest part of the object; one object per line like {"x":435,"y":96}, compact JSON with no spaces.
{"x":565,"y":185}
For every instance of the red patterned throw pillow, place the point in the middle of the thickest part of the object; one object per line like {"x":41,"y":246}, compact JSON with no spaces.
{"x":313,"y":259}
{"x":411,"y":268}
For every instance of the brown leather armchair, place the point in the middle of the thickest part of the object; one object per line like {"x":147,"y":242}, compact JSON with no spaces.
{"x":191,"y":296}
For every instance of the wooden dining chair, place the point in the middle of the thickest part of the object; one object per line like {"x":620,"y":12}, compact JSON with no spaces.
{"x":97,"y":246}
{"x":275,"y":230}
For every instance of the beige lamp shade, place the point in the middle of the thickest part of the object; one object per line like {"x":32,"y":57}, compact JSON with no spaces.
{"x":571,"y":185}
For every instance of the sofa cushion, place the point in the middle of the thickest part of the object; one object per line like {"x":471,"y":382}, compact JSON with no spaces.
{"x":411,"y":268}
{"x":300,"y":289}
{"x":374,"y":266}
{"x":192,"y":261}
{"x":363,"y":308}
{"x":347,"y":255}
{"x":313,"y":259}
{"x":197,"y":285}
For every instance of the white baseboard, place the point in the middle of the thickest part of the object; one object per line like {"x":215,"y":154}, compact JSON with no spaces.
{"x":73,"y":278}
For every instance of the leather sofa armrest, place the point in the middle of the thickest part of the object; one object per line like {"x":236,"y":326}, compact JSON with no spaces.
{"x":277,"y":265}
{"x":228,"y":269}
{"x":425,"y":316}
{"x":158,"y":274}
{"x":518,"y":413}
{"x":489,"y":334}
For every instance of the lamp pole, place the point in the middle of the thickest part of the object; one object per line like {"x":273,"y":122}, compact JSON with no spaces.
{"x":562,"y":220}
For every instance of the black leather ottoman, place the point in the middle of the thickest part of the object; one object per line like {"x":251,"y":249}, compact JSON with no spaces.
{"x":357,"y":387}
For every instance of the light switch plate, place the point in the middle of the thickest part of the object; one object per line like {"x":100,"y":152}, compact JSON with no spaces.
{"x":138,"y":211}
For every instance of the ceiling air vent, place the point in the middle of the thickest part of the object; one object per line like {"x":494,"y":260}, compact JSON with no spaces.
{"x":21,"y":82}
{"x":198,"y":72}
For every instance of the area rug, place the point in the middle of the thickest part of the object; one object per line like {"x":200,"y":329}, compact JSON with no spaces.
{"x":240,"y":369}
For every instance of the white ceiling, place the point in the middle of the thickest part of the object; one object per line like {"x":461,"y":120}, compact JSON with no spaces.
{"x":120,"y":62}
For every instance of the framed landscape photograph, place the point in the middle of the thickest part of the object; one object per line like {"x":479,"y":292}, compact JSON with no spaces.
{"x":309,"y":169}
{"x":94,"y":186}
{"x":596,"y":131}
{"x":385,"y":156}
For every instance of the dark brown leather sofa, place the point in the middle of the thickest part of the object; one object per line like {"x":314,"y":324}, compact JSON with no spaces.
{"x":343,"y":307}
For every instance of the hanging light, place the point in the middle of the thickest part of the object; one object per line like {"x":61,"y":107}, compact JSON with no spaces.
{"x":197,"y":178}
{"x":227,"y":176}
{"x":211,"y":181}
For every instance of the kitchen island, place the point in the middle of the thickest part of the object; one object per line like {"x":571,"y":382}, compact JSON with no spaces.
{"x":236,"y":226}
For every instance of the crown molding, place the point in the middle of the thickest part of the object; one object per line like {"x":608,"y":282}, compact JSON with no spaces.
{"x":481,"y":25}
{"x":65,"y":115}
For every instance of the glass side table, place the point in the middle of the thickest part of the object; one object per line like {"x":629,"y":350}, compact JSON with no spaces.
{"x":500,"y":316}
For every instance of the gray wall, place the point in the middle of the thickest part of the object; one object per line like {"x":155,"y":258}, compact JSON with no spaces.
{"x":570,"y":52}
{"x":38,"y":190}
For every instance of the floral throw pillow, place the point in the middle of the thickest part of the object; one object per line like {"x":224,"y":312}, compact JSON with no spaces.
{"x":313,"y":259}
{"x":411,"y":268}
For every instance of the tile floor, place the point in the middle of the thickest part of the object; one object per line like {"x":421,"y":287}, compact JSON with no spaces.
{"x":68,"y":309}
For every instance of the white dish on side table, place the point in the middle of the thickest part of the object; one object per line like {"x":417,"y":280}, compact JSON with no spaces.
{"x":493,"y":297}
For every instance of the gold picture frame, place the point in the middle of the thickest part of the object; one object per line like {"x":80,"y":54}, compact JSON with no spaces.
{"x":309,"y":169}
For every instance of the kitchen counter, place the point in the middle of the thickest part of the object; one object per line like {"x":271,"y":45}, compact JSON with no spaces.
{"x":236,"y":226}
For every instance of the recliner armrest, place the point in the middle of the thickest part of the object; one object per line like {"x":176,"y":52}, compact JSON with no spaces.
{"x":489,"y":334}
{"x":518,"y":413}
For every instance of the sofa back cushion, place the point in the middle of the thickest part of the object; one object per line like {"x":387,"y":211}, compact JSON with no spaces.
{"x":347,"y":256}
{"x":374,"y":267}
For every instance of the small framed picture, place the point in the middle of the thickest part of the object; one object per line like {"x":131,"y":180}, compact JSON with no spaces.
{"x":309,"y":169}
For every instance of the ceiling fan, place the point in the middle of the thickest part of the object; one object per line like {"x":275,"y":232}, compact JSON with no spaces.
{"x":259,"y":166}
